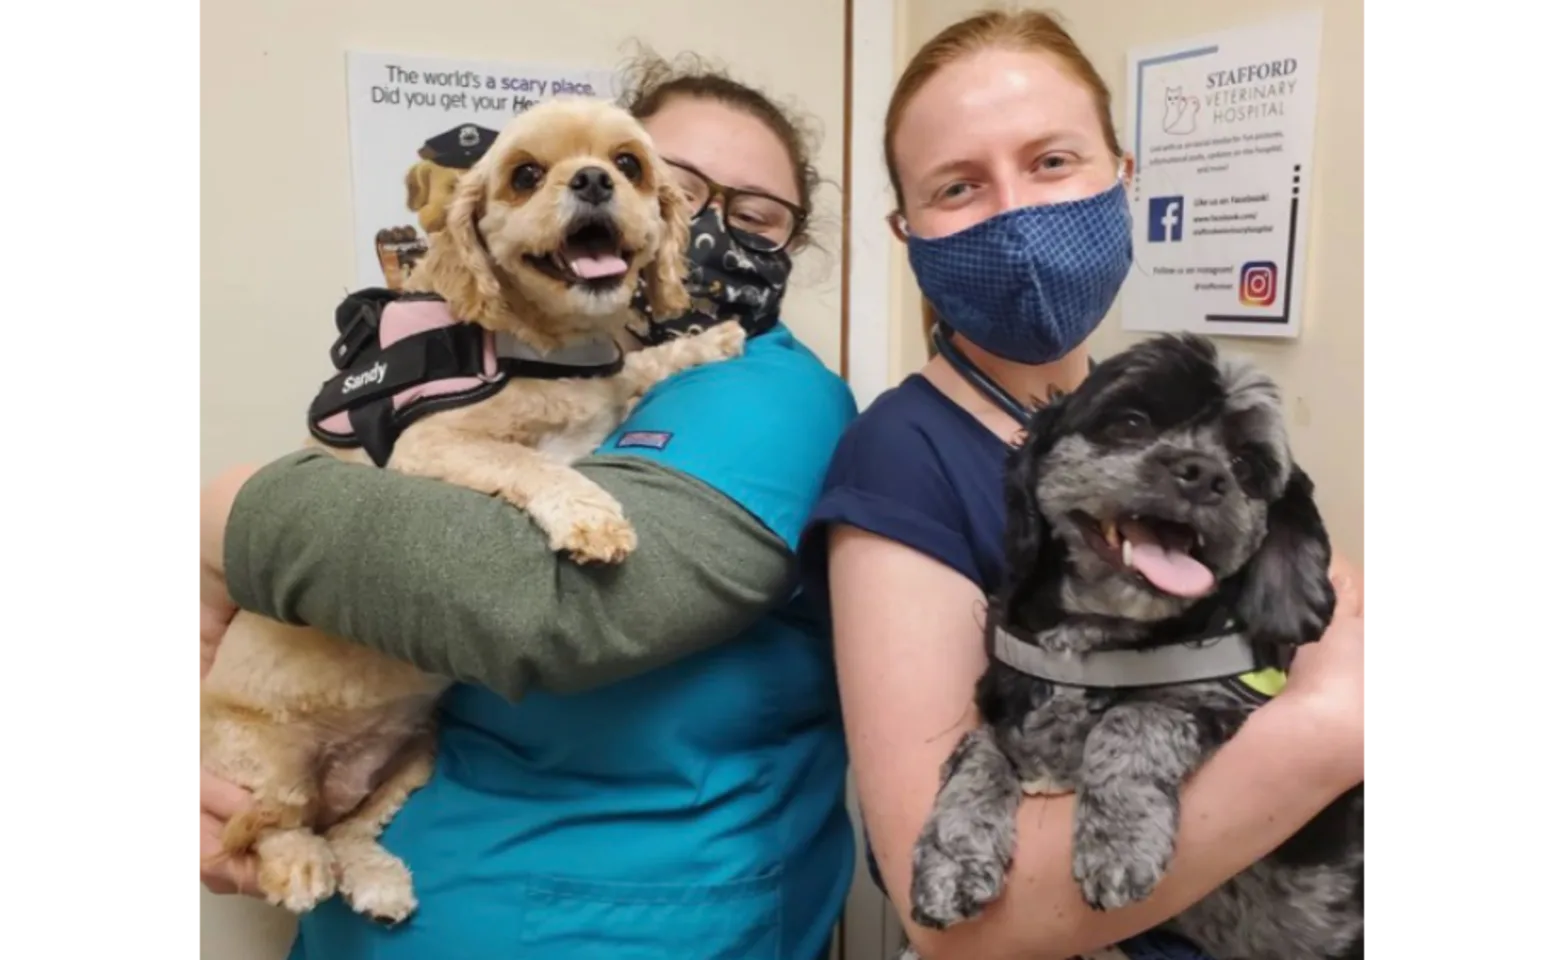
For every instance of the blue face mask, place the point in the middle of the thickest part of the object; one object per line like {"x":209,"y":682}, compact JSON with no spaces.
{"x":1030,"y":284}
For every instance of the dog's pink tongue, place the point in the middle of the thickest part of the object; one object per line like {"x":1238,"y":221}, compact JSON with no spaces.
{"x":591,"y":267}
{"x":1171,"y":571}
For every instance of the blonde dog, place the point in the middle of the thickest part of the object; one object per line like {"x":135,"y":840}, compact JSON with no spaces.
{"x":546,"y":240}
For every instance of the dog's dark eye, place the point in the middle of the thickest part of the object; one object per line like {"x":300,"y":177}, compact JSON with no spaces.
{"x":526,"y":176}
{"x":1243,"y":469}
{"x":629,"y":165}
{"x":1130,"y":425}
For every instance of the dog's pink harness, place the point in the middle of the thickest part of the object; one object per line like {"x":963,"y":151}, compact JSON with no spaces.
{"x":404,"y":356}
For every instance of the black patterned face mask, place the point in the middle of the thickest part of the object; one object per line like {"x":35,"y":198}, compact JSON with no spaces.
{"x":726,"y":282}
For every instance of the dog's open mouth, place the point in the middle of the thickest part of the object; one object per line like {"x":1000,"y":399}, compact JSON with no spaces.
{"x":1164,"y":553}
{"x":592,"y":256}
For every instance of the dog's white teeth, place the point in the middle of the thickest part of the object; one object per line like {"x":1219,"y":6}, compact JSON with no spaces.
{"x":1110,"y":532}
{"x":1127,"y":552}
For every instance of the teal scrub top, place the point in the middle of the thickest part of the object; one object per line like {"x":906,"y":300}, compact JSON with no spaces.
{"x":695,"y":811}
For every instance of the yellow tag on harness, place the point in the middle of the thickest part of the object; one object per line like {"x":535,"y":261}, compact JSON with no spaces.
{"x":1268,"y":682}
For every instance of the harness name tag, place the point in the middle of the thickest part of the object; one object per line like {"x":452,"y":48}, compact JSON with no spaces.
{"x":375,"y":374}
{"x":651,"y":439}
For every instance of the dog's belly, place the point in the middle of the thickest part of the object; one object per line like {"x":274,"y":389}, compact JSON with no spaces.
{"x":283,"y":702}
{"x":1274,"y":911}
{"x":367,"y":748}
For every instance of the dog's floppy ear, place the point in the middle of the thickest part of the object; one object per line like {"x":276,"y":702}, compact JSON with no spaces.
{"x":665,"y":275}
{"x":417,"y":184}
{"x":457,"y":264}
{"x":1033,"y":558}
{"x":1285,"y":598}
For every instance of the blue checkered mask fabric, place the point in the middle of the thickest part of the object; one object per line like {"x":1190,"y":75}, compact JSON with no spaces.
{"x":1031,"y":283}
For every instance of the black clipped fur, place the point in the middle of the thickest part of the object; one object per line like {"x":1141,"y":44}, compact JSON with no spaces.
{"x":1105,"y":451}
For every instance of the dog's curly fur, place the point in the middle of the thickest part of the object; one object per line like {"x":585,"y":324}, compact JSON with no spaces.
{"x":330,"y":736}
{"x":1123,"y":446}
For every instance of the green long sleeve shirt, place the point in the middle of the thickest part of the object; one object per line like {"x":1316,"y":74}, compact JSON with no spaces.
{"x":464,"y":585}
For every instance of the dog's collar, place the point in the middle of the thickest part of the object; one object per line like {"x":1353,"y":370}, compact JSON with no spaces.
{"x":1214,"y":657}
{"x":594,"y":358}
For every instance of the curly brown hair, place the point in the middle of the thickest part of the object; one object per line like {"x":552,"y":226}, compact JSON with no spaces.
{"x":648,"y":82}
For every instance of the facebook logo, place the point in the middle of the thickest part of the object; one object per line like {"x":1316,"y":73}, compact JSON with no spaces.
{"x":1166,"y":222}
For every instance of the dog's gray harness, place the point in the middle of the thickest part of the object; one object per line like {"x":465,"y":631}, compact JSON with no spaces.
{"x":1224,"y":655}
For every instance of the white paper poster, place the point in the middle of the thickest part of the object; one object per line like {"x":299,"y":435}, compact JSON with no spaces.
{"x":416,"y":123}
{"x":1222,"y":129}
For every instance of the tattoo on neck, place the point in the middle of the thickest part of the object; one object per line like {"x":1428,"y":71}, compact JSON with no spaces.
{"x":1055,"y":393}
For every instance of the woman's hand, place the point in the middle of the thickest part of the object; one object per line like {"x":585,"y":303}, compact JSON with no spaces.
{"x":217,"y":607}
{"x":220,"y":800}
{"x":1326,"y":679}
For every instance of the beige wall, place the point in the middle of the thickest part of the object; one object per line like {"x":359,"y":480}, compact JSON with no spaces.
{"x":276,"y":213}
{"x":1322,"y":372}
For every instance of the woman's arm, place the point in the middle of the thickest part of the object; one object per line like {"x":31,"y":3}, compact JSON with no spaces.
{"x":909,"y":653}
{"x":716,"y":469}
{"x":465,"y":585}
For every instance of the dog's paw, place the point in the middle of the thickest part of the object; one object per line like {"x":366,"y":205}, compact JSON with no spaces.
{"x":297,"y":870}
{"x":376,"y":884}
{"x":727,"y":339}
{"x":599,"y":540}
{"x":1119,"y":861}
{"x":590,"y":527}
{"x":954,"y":877}
{"x":591,"y":532}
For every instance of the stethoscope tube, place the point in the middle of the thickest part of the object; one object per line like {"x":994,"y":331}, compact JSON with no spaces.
{"x":979,"y":380}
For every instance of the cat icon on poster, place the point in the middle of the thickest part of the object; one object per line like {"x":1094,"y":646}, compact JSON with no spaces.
{"x":1179,"y":111}
{"x":1257,"y":283}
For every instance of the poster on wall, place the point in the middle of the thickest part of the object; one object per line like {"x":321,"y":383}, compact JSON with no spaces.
{"x":415,"y":125}
{"x":1222,"y":129}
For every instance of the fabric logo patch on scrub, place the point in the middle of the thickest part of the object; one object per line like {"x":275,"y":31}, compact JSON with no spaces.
{"x":649,"y":439}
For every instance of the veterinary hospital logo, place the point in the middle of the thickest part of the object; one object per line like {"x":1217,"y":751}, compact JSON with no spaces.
{"x":1257,"y":283}
{"x":375,"y":374}
{"x":1166,"y":222}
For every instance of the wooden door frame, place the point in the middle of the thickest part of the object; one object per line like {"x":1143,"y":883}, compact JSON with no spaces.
{"x":869,"y":929}
{"x":869,"y":64}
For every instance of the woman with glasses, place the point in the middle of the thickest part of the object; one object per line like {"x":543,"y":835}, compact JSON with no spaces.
{"x":758,"y":220}
{"x":645,"y":761}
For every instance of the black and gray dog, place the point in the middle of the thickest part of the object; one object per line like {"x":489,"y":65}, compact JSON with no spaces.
{"x":1157,"y":502}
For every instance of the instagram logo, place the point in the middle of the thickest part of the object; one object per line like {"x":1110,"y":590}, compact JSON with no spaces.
{"x":1257,"y":283}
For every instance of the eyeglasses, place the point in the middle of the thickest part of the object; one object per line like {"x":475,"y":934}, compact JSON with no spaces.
{"x":757,"y":221}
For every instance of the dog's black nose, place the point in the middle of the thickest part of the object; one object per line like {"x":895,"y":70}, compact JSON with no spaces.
{"x":1200,"y":478}
{"x":592,"y":185}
